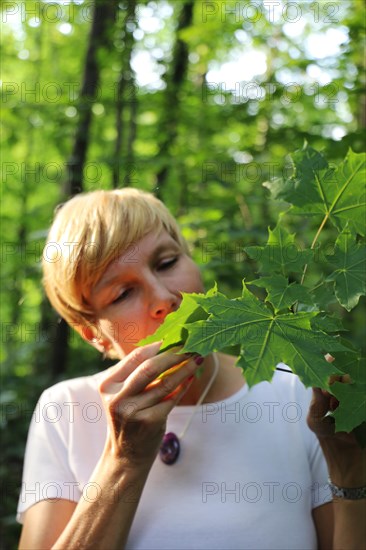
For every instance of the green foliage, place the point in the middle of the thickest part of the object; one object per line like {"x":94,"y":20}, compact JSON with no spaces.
{"x":351,"y":409}
{"x":227,"y":143}
{"x":349,"y":258}
{"x":276,"y":331}
{"x":332,"y":192}
{"x":282,"y":294}
{"x":280,"y":254}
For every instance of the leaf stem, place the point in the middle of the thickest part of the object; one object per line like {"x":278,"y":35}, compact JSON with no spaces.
{"x":314,"y":243}
{"x":331,"y":208}
{"x":284,"y":370}
{"x":316,"y":286}
{"x":324,"y":221}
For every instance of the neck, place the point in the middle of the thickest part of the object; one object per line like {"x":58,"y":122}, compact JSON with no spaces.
{"x":227,"y":381}
{"x":204,"y":391}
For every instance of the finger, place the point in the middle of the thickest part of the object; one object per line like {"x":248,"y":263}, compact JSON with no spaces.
{"x":178,"y":392}
{"x":333,"y":403}
{"x":317,"y":418}
{"x":151,"y":369}
{"x":129,"y":364}
{"x":165,"y":388}
{"x":135,"y":409}
{"x":344,"y":378}
{"x":329,"y":357}
{"x":164,"y":407}
{"x":319,"y":405}
{"x":335,"y":378}
{"x":186,"y":385}
{"x":147,"y":378}
{"x":119,"y":372}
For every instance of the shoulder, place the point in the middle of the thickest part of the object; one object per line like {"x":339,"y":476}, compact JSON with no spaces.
{"x":81,"y":387}
{"x":68,"y":399}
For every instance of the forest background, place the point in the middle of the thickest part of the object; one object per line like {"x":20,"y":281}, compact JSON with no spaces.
{"x":197,"y":101}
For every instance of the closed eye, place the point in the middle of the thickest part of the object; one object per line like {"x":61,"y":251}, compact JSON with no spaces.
{"x":122,"y":296}
{"x":167,"y":264}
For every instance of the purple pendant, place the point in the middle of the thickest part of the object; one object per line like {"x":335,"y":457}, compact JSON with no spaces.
{"x":170,"y":448}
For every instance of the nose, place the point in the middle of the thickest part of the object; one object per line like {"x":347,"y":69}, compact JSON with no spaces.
{"x":162,"y":300}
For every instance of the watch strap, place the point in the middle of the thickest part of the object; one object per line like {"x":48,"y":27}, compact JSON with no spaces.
{"x":348,"y":493}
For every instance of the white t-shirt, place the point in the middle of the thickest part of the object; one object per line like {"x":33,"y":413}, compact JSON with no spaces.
{"x":248,"y":476}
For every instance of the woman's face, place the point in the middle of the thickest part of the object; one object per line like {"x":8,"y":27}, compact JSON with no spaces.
{"x":140,"y":288}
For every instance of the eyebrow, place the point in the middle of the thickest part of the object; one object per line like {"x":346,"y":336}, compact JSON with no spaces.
{"x":155,"y":252}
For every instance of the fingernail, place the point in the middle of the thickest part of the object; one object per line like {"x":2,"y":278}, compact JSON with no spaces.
{"x":190,"y":378}
{"x":199,"y":360}
{"x":333,"y":403}
{"x":156,"y":344}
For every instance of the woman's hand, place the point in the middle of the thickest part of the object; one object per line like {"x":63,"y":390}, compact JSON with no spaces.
{"x":345,"y":458}
{"x":137,"y":402}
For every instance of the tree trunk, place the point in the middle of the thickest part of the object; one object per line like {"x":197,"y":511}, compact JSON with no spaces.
{"x":126,"y":94}
{"x":100,"y":36}
{"x":174,"y":80}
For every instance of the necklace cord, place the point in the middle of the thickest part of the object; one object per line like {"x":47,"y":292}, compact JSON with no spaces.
{"x":202,"y":396}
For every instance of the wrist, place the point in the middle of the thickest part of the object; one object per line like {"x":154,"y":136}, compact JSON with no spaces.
{"x":121,"y":480}
{"x":347,"y":493}
{"x":346,"y":467}
{"x":119,"y":465}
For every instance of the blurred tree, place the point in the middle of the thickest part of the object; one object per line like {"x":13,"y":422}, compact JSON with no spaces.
{"x":100,"y":37}
{"x":104,"y":15}
{"x":174,"y":79}
{"x":203,"y":100}
{"x":126,"y":96}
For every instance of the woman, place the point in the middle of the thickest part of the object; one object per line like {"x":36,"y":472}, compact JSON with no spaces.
{"x":99,"y":472}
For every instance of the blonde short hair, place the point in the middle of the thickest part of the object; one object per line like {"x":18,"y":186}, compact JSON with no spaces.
{"x":89,"y":232}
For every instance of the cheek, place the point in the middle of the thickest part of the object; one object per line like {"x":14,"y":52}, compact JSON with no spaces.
{"x":129,"y":335}
{"x":191,"y":280}
{"x":126,"y":333}
{"x":119,"y":328}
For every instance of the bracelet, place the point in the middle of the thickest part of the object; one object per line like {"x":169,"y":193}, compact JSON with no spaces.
{"x":348,"y":493}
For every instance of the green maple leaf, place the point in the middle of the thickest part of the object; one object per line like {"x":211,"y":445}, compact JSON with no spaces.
{"x":306,"y":163}
{"x":212,"y":322}
{"x":350,"y":276}
{"x":351,"y":362}
{"x":265,"y":334}
{"x":328,"y":324}
{"x":336,"y":193}
{"x":351,"y":411}
{"x":323,"y":295}
{"x":281,"y":254}
{"x":266,"y":338}
{"x":280,"y":293}
{"x":172,"y":331}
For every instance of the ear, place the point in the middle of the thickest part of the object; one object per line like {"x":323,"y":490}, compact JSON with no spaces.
{"x":93,"y":336}
{"x":88,"y":333}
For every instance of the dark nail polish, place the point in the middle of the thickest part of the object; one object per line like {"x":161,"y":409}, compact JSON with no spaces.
{"x":199,"y":360}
